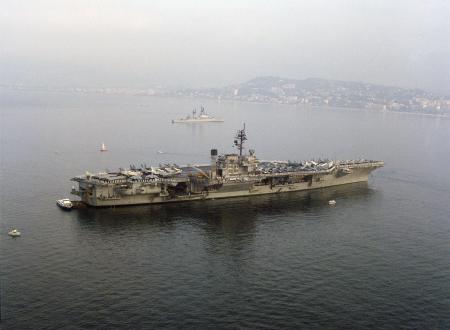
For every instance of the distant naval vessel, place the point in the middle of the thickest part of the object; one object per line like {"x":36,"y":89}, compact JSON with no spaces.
{"x":203,"y":117}
{"x":227,"y":175}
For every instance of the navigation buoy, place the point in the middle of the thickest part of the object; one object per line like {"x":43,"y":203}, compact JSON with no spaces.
{"x":103,"y":147}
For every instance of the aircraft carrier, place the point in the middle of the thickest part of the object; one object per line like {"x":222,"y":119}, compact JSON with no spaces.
{"x":227,"y":175}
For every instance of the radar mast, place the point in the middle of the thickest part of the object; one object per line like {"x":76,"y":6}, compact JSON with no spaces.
{"x":239,"y":140}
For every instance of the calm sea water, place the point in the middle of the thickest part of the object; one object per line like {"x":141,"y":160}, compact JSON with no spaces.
{"x":379,"y":258}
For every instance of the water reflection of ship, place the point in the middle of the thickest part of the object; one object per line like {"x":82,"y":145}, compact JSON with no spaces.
{"x":225,"y":217}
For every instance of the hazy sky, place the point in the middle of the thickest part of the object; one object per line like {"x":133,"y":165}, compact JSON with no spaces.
{"x":137,"y":43}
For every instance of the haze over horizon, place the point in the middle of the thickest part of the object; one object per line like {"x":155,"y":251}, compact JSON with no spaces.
{"x":210,"y":44}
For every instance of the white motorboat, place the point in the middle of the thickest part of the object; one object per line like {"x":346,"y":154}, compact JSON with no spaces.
{"x":332,"y":202}
{"x":64,"y":203}
{"x":14,"y":233}
{"x":103,"y":147}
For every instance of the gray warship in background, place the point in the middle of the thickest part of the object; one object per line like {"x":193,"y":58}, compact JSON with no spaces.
{"x":228,"y":175}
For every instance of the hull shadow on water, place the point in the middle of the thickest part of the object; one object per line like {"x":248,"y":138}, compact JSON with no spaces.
{"x":238,"y":213}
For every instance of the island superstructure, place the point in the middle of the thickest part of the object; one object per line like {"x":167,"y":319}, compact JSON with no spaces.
{"x":227,"y":175}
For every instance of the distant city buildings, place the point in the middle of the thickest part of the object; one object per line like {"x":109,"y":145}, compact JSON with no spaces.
{"x":320,"y":93}
{"x":308,"y":92}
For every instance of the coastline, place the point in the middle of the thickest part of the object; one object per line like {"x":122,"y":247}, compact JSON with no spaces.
{"x":296,"y":105}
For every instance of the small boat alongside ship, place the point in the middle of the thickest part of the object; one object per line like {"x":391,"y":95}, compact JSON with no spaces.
{"x":65,"y":204}
{"x":203,"y":117}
